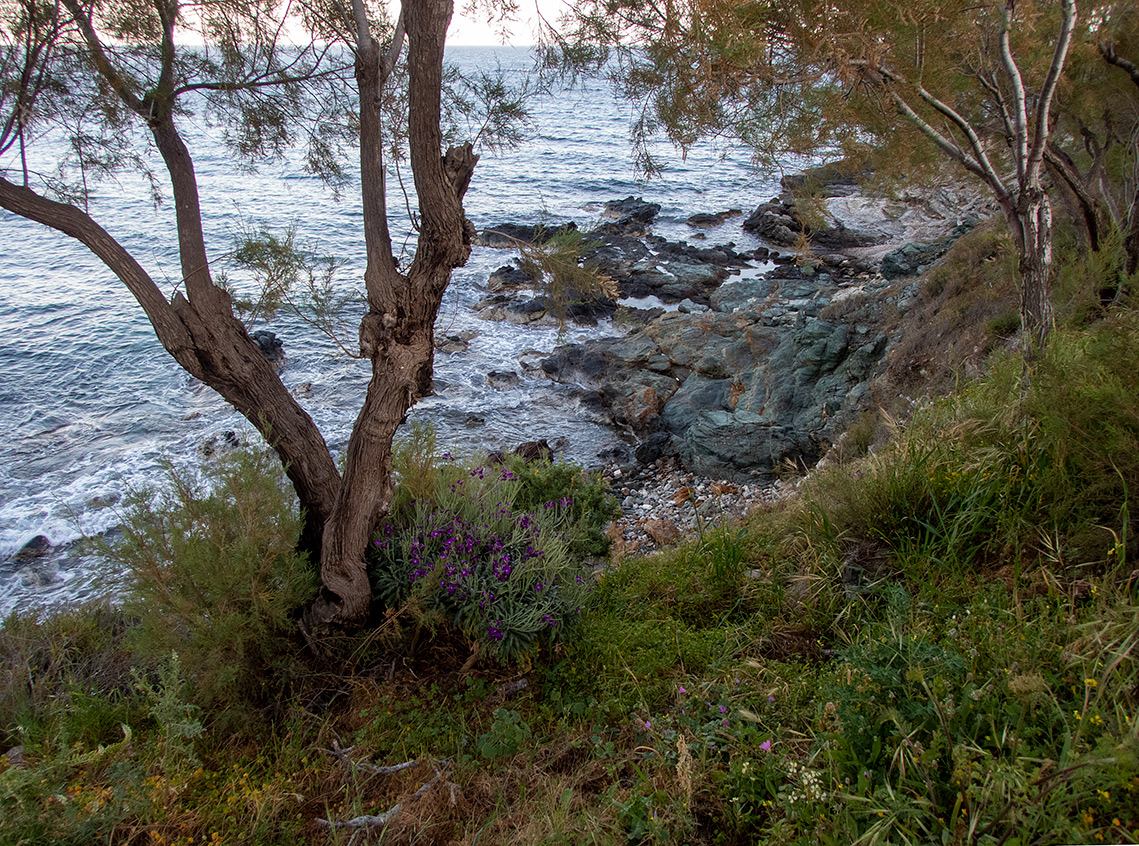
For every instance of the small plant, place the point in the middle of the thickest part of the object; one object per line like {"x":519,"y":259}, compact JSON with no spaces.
{"x":178,"y":727}
{"x":212,"y":573}
{"x":505,"y":578}
{"x":507,"y":737}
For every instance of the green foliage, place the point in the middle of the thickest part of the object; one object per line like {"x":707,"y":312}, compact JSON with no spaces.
{"x":175,"y":716}
{"x":464,"y":551}
{"x":591,"y":505}
{"x":212,"y":573}
{"x":981,"y":476}
{"x":508,"y":735}
{"x":64,"y":676}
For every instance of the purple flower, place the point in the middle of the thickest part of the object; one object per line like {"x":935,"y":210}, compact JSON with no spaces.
{"x":723,"y":709}
{"x":766,"y":745}
{"x":493,"y":630}
{"x":682,"y":690}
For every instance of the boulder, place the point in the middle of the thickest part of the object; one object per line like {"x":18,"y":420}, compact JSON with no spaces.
{"x":663,"y":532}
{"x":534,"y":451}
{"x":913,"y":259}
{"x":272,"y":347}
{"x":509,"y":277}
{"x":510,"y":235}
{"x":631,"y":212}
{"x":37,"y":547}
{"x":503,"y":380}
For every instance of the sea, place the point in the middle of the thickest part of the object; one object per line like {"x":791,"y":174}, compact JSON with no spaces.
{"x":92,"y":407}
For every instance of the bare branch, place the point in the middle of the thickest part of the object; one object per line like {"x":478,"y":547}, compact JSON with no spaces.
{"x":1048,"y":90}
{"x":1107,"y":50}
{"x":1020,"y":115}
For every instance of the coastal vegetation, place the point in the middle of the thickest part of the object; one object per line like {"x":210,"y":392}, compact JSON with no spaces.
{"x":932,"y":638}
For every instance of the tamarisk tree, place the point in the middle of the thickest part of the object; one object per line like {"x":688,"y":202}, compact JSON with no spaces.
{"x":100,"y":69}
{"x":975,"y":84}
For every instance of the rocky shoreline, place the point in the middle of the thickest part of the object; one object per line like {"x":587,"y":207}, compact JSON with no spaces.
{"x":743,"y":362}
{"x":734,"y":364}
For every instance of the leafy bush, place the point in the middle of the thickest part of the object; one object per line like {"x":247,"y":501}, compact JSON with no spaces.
{"x":506,"y":578}
{"x":212,"y":573}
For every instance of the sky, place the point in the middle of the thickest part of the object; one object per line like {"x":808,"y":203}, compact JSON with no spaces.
{"x":475,"y":32}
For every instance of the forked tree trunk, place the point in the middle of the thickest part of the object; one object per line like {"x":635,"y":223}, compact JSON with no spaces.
{"x":397,"y":334}
{"x":211,"y":345}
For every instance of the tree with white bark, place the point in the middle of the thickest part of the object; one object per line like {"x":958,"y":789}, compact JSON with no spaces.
{"x":904,"y":85}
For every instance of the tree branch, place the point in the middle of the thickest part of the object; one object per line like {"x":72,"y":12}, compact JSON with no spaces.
{"x":1020,"y":116}
{"x":1048,"y":90}
{"x":103,"y":62}
{"x":1107,"y":50}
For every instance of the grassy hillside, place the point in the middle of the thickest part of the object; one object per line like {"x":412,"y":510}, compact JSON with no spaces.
{"x":934,"y":639}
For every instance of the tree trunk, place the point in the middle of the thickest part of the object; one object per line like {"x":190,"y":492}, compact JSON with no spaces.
{"x":1131,"y":237}
{"x":214,"y":348}
{"x":1031,"y":222}
{"x":397,"y":334}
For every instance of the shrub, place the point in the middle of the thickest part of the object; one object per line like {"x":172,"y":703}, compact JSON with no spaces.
{"x":212,"y":573}
{"x":506,"y":578}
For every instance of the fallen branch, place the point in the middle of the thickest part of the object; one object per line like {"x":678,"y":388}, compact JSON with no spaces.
{"x":381,"y":820}
{"x":344,"y":756}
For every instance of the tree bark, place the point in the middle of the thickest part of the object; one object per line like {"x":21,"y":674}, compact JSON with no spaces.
{"x":1031,"y":224}
{"x":397,"y":333}
{"x":214,"y":348}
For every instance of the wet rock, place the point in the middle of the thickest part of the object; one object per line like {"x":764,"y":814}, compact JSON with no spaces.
{"x":37,"y":547}
{"x":631,"y":212}
{"x":272,"y":347}
{"x":456,"y":343}
{"x":215,"y":445}
{"x":103,"y":501}
{"x":37,"y":575}
{"x":503,"y":380}
{"x":712,"y":218}
{"x":510,"y":235}
{"x":534,"y":451}
{"x":509,"y":277}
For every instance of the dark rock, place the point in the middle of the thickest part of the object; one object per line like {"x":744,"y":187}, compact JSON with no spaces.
{"x":841,"y":237}
{"x":778,"y":221}
{"x":534,"y":451}
{"x":510,"y":235}
{"x":913,"y":259}
{"x":509,"y":277}
{"x":450,"y":344}
{"x":631,"y":211}
{"x":37,"y":547}
{"x":836,"y":179}
{"x":272,"y":347}
{"x":614,"y":455}
{"x":651,"y":448}
{"x":712,"y":218}
{"x":705,"y":219}
{"x":746,"y":295}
